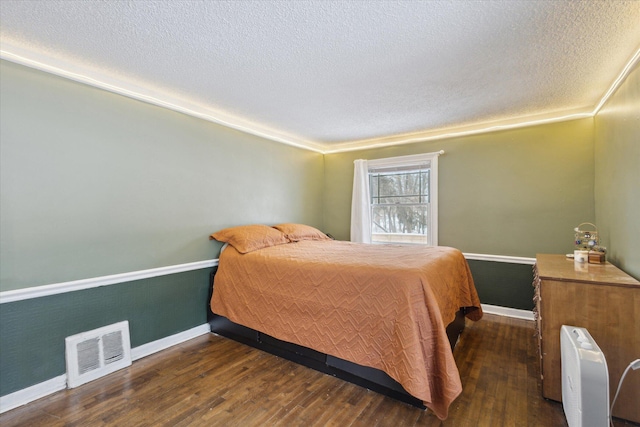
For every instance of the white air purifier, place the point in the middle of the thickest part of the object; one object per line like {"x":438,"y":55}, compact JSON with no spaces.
{"x":585,"y":379}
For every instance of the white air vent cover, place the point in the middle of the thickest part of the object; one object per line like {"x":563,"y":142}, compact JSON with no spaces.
{"x":93,"y":354}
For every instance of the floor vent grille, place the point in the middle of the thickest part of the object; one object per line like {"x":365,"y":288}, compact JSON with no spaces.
{"x":94,"y":354}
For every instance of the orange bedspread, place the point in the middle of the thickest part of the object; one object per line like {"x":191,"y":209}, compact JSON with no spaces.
{"x":383,"y":306}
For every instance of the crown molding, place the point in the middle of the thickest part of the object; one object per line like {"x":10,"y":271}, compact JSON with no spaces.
{"x":460,"y":131}
{"x":631,"y":65}
{"x":155,"y":96}
{"x":99,"y":79}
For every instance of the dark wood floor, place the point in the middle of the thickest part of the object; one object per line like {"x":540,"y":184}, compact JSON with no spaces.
{"x":213,"y":381}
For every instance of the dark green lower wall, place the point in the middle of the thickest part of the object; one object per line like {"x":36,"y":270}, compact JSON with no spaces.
{"x":32,"y":332}
{"x":503,"y":284}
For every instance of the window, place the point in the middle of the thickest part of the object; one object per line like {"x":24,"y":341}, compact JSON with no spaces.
{"x":400,"y":205}
{"x":402,"y":200}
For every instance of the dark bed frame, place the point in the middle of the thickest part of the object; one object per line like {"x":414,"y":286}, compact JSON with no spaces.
{"x":364,"y":376}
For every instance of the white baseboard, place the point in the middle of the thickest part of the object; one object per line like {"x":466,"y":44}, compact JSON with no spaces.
{"x":164,"y":343}
{"x":43,"y":389}
{"x":35,"y":392}
{"x":507,"y":311}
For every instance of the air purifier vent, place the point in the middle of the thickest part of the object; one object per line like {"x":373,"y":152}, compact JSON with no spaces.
{"x":585,"y":379}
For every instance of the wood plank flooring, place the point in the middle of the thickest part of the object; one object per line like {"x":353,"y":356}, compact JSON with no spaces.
{"x":214,"y":381}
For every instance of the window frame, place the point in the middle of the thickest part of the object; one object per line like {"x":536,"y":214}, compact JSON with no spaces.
{"x":406,"y":162}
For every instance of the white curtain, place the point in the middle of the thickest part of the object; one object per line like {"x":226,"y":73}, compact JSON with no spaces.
{"x":360,"y":211}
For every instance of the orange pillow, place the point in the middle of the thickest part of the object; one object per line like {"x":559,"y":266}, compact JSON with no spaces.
{"x":247,"y":238}
{"x":297,"y":232}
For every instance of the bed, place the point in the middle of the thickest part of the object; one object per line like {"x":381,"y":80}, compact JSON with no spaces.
{"x":373,"y":311}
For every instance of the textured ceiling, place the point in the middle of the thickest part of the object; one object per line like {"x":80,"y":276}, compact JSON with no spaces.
{"x":337,"y":74}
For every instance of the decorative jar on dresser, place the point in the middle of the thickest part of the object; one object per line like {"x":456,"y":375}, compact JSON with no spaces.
{"x":604,"y":300}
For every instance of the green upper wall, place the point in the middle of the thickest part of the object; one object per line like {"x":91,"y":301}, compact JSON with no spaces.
{"x":514,"y":192}
{"x":617,"y":175}
{"x":94,"y":183}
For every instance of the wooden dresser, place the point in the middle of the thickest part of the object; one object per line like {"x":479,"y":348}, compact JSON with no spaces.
{"x":604,"y":300}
